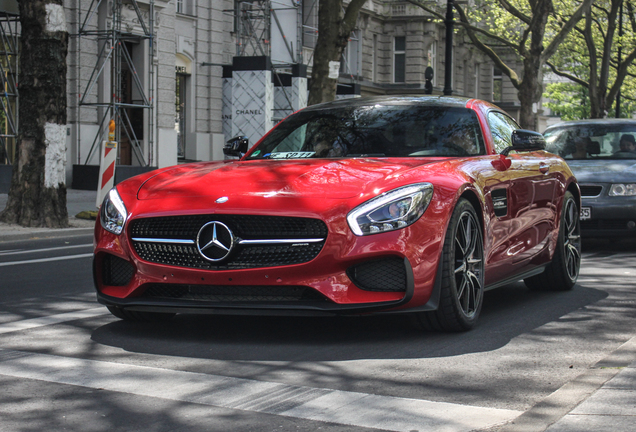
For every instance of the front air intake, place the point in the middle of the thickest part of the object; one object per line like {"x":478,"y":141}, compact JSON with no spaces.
{"x":116,"y":271}
{"x":387,"y":274}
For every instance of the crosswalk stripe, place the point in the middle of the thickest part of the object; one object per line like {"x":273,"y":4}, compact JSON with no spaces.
{"x":335,"y":406}
{"x":33,"y":261}
{"x":51,"y":319}
{"x":27,"y":251}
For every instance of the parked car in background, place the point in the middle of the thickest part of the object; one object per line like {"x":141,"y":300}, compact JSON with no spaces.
{"x":602,"y":155}
{"x":379,"y":205}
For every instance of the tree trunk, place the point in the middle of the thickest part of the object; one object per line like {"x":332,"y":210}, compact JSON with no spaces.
{"x":334,"y":29}
{"x":530,"y":90}
{"x":37,"y":197}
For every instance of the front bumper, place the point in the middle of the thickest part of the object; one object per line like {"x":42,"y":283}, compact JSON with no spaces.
{"x":334,"y":282}
{"x":610,"y":216}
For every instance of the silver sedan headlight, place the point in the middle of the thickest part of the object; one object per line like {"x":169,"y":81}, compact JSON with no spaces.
{"x":392,"y":210}
{"x":113,"y":213}
{"x":623,"y":189}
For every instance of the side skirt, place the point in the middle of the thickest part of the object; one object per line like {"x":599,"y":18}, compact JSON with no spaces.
{"x":516,"y":278}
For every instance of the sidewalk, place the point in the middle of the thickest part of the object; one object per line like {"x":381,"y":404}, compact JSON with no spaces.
{"x":601,"y":399}
{"x":76,"y":202}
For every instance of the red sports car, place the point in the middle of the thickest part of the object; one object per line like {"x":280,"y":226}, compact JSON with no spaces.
{"x":369,"y":205}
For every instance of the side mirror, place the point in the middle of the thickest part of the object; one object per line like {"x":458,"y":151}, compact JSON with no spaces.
{"x":237,"y":146}
{"x":525,"y":140}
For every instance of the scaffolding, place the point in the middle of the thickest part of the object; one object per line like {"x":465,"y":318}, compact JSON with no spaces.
{"x":272,"y":28}
{"x":9,"y":45}
{"x":261,"y":31}
{"x":114,"y":56}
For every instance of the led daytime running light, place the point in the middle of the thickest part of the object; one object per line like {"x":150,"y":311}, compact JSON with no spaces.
{"x":113,"y":213}
{"x":392,"y":210}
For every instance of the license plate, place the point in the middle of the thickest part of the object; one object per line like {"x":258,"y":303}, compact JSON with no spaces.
{"x":586,"y":213}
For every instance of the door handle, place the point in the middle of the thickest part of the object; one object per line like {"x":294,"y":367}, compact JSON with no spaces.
{"x":544,"y":168}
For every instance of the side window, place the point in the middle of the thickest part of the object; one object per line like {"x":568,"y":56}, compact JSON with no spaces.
{"x":513,"y":124}
{"x":501,"y":127}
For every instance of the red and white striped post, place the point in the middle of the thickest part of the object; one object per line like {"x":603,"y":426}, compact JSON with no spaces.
{"x":107,"y":166}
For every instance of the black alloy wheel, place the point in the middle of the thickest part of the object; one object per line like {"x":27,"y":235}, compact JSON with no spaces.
{"x":462,"y":284}
{"x":561,"y":274}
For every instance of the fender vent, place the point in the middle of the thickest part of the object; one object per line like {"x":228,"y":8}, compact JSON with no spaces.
{"x":500,"y":201}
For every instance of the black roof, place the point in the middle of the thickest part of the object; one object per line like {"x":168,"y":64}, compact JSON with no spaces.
{"x":441,"y":101}
{"x":593,"y":122}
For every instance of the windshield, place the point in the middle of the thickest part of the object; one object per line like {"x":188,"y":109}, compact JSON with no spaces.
{"x":375,"y":130}
{"x":593,"y":141}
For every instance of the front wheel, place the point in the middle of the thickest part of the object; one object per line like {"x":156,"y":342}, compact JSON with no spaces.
{"x":561,"y":274}
{"x":462,"y":283}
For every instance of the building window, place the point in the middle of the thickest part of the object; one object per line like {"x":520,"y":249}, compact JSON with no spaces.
{"x":180,"y":111}
{"x":432,"y":61}
{"x":185,"y":7}
{"x":349,"y":64}
{"x":497,"y":85}
{"x":374,"y":59}
{"x":310,"y":24}
{"x":399,"y":59}
{"x":477,"y":78}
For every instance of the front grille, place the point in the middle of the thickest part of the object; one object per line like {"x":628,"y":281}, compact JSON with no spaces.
{"x":605,"y":224}
{"x":230,"y":293}
{"x":116,"y":271}
{"x":388,"y":274}
{"x":244,"y":256}
{"x":244,"y":226}
{"x":591,"y":190}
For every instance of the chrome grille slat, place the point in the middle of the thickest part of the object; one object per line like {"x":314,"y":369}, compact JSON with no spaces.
{"x":265,"y":241}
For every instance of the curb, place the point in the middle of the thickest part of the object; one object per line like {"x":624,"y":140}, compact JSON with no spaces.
{"x":558,"y":404}
{"x":9,"y":232}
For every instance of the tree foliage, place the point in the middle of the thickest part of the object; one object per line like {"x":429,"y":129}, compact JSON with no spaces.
{"x":590,"y":57}
{"x":568,"y":100}
{"x":519,"y":36}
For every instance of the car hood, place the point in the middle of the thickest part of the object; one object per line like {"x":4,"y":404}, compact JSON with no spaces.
{"x":339,"y":179}
{"x":604,"y":171}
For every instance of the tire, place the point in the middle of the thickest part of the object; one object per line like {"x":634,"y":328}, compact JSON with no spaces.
{"x":136,"y":316}
{"x":563,"y":271}
{"x":462,"y":283}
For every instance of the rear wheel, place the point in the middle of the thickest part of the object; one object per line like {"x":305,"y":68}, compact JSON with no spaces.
{"x":561,"y":274}
{"x":462,"y":283}
{"x":138,"y":316}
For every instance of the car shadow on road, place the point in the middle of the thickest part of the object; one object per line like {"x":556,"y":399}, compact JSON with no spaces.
{"x":508,"y":312}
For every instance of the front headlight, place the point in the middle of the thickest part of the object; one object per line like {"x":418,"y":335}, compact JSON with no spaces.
{"x":113,"y":213}
{"x":392,"y":210}
{"x":623,"y":189}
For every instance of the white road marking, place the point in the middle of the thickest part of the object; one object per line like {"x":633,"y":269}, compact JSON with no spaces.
{"x":61,"y":258}
{"x":336,"y":406}
{"x":25,"y":251}
{"x":51,"y":319}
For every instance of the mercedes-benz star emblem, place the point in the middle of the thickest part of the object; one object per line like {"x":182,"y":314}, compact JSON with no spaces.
{"x":215,"y":241}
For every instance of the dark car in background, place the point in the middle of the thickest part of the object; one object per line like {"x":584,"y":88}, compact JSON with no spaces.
{"x":602,"y":155}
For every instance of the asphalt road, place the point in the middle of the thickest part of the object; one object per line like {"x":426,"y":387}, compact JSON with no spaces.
{"x":66,"y":364}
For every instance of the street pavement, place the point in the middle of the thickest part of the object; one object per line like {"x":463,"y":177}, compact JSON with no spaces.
{"x":603,"y":398}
